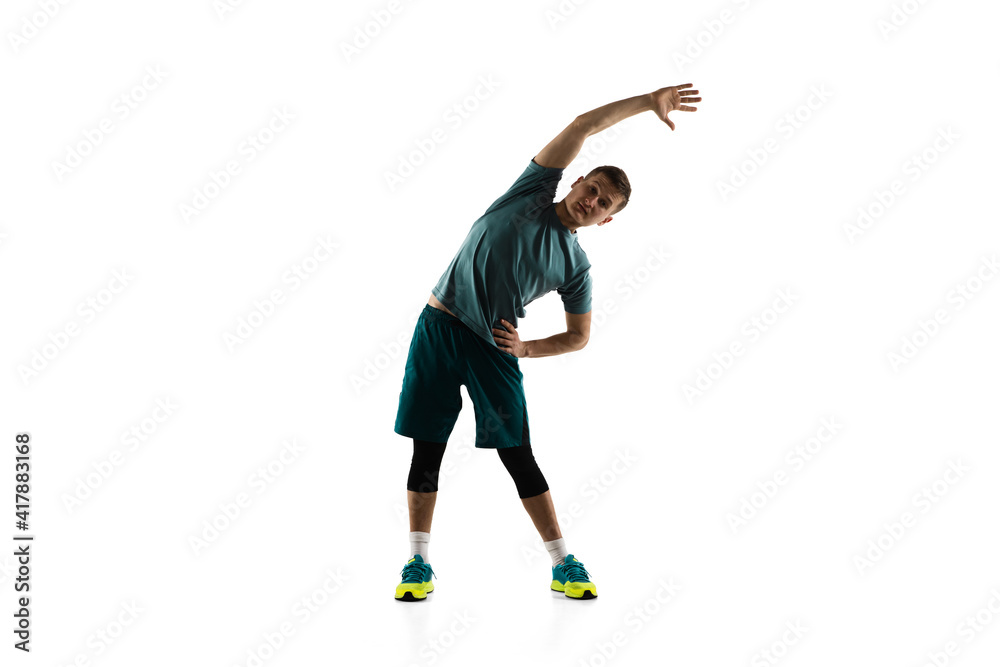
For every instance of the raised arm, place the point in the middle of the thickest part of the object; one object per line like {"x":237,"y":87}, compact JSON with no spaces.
{"x":562,"y":150}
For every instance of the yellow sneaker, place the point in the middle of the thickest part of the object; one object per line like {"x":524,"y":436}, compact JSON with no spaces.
{"x":572,"y":579}
{"x":416,"y":582}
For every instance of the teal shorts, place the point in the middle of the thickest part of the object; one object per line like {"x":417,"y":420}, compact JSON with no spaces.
{"x":445,"y":354}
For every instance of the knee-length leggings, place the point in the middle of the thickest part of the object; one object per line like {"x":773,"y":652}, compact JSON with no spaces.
{"x":519,"y":461}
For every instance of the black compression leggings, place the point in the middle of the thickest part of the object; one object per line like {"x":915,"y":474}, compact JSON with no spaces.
{"x":519,"y":461}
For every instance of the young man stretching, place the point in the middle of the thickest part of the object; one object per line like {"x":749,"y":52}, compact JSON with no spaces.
{"x":522,"y":247}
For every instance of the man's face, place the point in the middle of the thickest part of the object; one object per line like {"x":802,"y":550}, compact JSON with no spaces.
{"x":590,"y":201}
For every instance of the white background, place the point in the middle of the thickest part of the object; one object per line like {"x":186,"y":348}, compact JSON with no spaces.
{"x":105,"y":542}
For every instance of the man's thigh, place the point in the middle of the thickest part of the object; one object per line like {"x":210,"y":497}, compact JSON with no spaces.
{"x":430,"y":399}
{"x":495,"y":384}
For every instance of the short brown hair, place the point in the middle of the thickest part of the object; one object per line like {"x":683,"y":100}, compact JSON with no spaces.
{"x":618,"y":180}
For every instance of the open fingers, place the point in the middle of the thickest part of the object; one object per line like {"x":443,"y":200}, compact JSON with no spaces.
{"x":687,"y":98}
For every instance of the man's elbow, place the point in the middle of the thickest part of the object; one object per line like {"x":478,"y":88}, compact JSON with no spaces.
{"x":583,"y":125}
{"x":580,"y":341}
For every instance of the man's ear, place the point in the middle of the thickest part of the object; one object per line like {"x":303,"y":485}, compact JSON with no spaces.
{"x":606,"y":220}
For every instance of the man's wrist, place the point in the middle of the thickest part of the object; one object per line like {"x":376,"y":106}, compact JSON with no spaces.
{"x":599,"y":119}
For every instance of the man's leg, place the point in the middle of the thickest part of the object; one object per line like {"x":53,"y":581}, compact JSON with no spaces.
{"x":543,"y":515}
{"x":421,"y":494}
{"x":421,"y":510}
{"x":422,"y":483}
{"x":532,"y":489}
{"x":535,"y":496}
{"x":429,"y":403}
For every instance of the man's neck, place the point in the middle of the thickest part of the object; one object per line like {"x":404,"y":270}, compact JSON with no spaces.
{"x":562,"y":212}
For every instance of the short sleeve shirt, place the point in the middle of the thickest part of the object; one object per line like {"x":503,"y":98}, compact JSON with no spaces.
{"x":517,"y":251}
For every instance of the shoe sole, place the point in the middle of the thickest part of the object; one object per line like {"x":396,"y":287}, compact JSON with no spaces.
{"x":587,"y":595}
{"x":561,"y":588}
{"x":408,"y":596}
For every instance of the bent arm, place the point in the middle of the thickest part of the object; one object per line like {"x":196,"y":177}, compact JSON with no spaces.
{"x":562,"y":150}
{"x":574,"y":338}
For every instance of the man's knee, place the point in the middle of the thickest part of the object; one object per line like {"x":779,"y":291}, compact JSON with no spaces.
{"x":520,"y":463}
{"x":425,"y":466}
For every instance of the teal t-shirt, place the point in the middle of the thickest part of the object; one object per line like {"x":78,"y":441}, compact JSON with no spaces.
{"x":516,"y":252}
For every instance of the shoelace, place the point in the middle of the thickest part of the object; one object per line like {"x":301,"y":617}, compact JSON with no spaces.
{"x":575,"y":571}
{"x":413,"y":573}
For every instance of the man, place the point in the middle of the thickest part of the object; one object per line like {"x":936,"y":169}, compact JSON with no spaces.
{"x":522,"y":247}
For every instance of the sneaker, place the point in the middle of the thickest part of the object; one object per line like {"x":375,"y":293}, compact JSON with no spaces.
{"x":416,"y":582}
{"x":572,"y":579}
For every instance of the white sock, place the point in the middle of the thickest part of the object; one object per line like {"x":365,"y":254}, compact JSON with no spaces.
{"x":557,"y":549}
{"x":419,"y":543}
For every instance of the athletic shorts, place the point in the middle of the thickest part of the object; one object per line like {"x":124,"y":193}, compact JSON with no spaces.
{"x":445,"y":354}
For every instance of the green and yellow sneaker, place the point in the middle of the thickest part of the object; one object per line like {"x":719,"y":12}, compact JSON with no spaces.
{"x":416,"y":582}
{"x":571,"y":578}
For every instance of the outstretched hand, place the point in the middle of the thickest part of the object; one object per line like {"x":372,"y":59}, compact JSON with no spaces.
{"x":673,"y":98}
{"x":508,"y":340}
